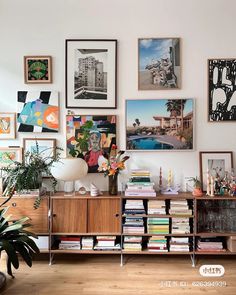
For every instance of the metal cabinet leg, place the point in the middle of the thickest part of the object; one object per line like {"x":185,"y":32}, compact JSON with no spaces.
{"x":193,"y":260}
{"x":51,"y":259}
{"x":121,"y":260}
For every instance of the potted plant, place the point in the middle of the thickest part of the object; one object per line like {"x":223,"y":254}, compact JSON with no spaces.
{"x":197,"y":187}
{"x":14,"y":240}
{"x":26,"y":176}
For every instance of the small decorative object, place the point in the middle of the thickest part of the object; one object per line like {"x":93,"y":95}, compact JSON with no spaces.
{"x":9,"y":156}
{"x":170,"y":190}
{"x":89,"y":137}
{"x":7,"y":125}
{"x":69,"y":170}
{"x":91,"y":74}
{"x":111,"y":168}
{"x":160,"y":180}
{"x":221,"y":89}
{"x":214,"y":164}
{"x":197,"y":190}
{"x":38,"y":69}
{"x":159,"y":63}
{"x":94,"y":190}
{"x":159,"y":124}
{"x":38,"y":111}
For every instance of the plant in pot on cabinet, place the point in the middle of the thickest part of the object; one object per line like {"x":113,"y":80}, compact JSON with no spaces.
{"x":197,"y":187}
{"x":26,"y":177}
{"x":111,"y":167}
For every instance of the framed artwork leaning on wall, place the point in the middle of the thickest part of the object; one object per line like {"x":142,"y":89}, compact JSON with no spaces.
{"x":91,"y":73}
{"x":222,"y":89}
{"x":7,"y":125}
{"x":159,"y":124}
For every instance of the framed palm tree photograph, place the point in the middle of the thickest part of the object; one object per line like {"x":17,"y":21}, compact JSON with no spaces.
{"x":159,"y":124}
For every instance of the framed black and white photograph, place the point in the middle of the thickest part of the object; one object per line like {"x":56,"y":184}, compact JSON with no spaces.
{"x":221,"y":89}
{"x":214,"y":163}
{"x":91,"y":73}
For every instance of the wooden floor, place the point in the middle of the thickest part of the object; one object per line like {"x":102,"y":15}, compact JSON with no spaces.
{"x":92,"y":275}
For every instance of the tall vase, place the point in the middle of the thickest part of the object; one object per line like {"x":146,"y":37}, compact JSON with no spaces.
{"x":113,"y":187}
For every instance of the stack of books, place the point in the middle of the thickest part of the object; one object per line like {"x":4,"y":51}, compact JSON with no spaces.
{"x":210,"y":244}
{"x":179,"y":207}
{"x":157,"y":244}
{"x":132,"y":243}
{"x":134,"y":225}
{"x":87,"y":243}
{"x":156,"y":207}
{"x":70,"y":243}
{"x":180,"y":226}
{"x":178,"y":244}
{"x":134,"y":207}
{"x":140,"y":184}
{"x":106,"y":243}
{"x":158,"y":225}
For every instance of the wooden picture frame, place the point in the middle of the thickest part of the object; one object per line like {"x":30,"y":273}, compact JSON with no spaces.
{"x":160,"y":124}
{"x":159,"y":63}
{"x":46,"y":146}
{"x":7,"y":125}
{"x":214,"y":162}
{"x":221,"y":89}
{"x":91,"y":70}
{"x":38,"y":69}
{"x":9,"y":154}
{"x":90,"y":136}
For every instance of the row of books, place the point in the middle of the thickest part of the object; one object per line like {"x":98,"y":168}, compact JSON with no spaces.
{"x":180,"y":207}
{"x":210,"y":244}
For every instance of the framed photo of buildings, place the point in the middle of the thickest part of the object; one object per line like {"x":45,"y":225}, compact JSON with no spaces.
{"x":8,"y":155}
{"x":7,"y":125}
{"x":38,"y":69}
{"x":222,"y":89}
{"x":159,"y":65}
{"x":90,"y":136}
{"x":159,"y":124}
{"x":214,"y":163}
{"x":91,"y":73}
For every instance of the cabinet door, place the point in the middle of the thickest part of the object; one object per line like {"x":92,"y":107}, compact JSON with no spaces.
{"x":104,"y":215}
{"x":69,"y":216}
{"x":21,"y":207}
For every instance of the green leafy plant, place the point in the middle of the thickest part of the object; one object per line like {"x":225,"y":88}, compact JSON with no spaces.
{"x":196,"y":182}
{"x":14,"y":239}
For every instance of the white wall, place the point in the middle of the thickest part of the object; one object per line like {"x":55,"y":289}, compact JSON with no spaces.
{"x":206,"y":29}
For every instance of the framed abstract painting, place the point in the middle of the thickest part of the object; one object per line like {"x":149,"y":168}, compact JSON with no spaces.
{"x":222,"y":89}
{"x":7,"y":125}
{"x":159,"y":124}
{"x":7,"y":155}
{"x":90,"y":136}
{"x":159,"y":66}
{"x":38,"y":111}
{"x":38,"y":69}
{"x":91,"y":73}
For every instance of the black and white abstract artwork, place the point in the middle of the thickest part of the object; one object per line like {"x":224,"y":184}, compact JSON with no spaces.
{"x":222,"y":90}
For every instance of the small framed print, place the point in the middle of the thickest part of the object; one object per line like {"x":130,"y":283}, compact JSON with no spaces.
{"x":46,"y":146}
{"x":7,"y":125}
{"x":38,"y":69}
{"x":214,"y":162}
{"x":222,"y":90}
{"x":8,"y":155}
{"x":159,"y":65}
{"x":91,"y":74}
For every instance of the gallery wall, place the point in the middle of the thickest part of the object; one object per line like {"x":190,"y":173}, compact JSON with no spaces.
{"x":206,"y":29}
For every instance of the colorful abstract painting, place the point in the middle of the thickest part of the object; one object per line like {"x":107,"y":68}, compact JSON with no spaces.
{"x":8,"y":155}
{"x":38,"y":69}
{"x":90,"y":137}
{"x":38,"y":111}
{"x":7,"y":125}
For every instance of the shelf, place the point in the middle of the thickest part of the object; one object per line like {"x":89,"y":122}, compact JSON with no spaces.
{"x":146,"y":252}
{"x":167,"y":235}
{"x":186,"y":196}
{"x":215,"y":198}
{"x":86,"y":234}
{"x":227,"y":252}
{"x":63,"y":251}
{"x":157,"y":216}
{"x":211,"y":234}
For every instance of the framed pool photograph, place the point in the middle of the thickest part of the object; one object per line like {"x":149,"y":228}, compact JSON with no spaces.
{"x":7,"y":125}
{"x":91,"y":73}
{"x":38,"y":69}
{"x":222,"y":90}
{"x":90,"y":136}
{"x":214,"y":163}
{"x":159,"y":66}
{"x":10,"y":154}
{"x":159,"y":124}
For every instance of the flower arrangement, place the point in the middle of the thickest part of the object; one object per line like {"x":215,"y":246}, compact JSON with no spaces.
{"x":114,"y":164}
